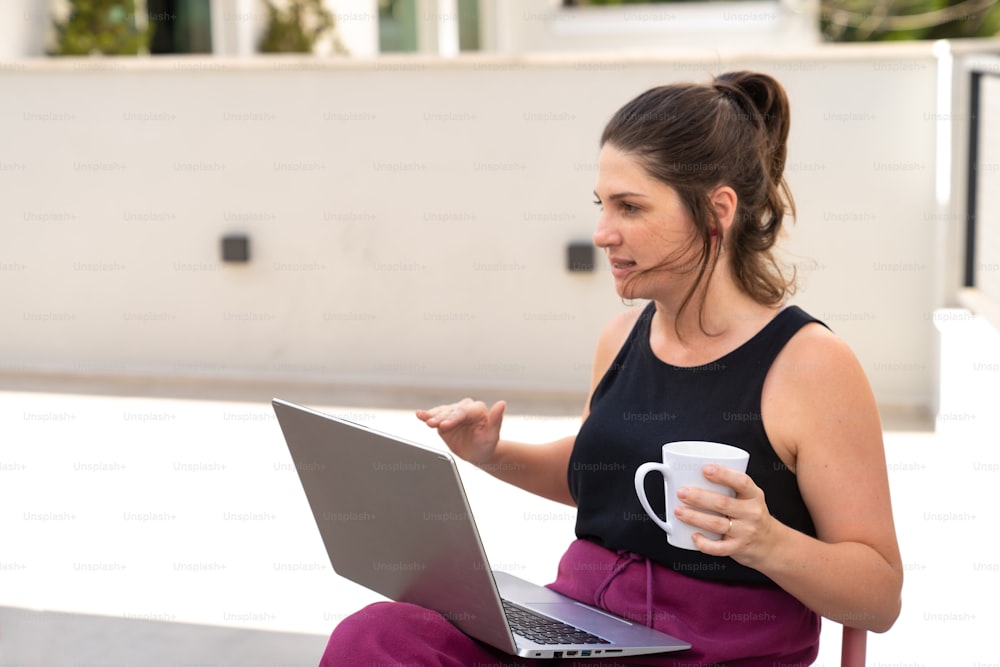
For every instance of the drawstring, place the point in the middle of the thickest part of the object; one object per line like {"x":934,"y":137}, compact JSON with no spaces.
{"x":649,"y":593}
{"x":626,"y":558}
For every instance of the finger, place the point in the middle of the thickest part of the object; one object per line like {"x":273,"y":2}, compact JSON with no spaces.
{"x":707,"y":500}
{"x":713,"y":547}
{"x":449,"y":419}
{"x":710,"y":524}
{"x":465,"y":410}
{"x":436,"y":415}
{"x":437,"y":409}
{"x":738,"y":481}
{"x":433,"y":415}
{"x":496,"y":412}
{"x":452,"y":414}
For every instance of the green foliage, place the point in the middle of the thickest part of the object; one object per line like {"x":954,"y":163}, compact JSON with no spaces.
{"x":885,"y":20}
{"x":898,"y":20}
{"x":298,"y":27}
{"x":100,"y":27}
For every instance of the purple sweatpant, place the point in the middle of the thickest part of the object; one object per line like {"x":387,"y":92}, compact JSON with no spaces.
{"x":728,"y":625}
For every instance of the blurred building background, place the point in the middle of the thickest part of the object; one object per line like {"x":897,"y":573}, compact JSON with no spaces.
{"x":444,"y":27}
{"x":408,"y":186}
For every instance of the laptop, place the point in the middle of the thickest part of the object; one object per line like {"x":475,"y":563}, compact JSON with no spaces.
{"x":394,"y":517}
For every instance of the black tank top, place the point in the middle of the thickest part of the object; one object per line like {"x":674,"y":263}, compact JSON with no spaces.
{"x":642,"y":403}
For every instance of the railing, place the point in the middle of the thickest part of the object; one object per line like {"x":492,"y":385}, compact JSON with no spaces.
{"x":981,"y":277}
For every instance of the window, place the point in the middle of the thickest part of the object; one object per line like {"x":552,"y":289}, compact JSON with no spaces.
{"x":401,"y":23}
{"x":180,"y":26}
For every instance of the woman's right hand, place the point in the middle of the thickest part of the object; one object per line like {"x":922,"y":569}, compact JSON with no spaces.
{"x":469,"y":428}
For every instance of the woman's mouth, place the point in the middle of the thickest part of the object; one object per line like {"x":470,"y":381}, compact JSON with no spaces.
{"x":621,"y":267}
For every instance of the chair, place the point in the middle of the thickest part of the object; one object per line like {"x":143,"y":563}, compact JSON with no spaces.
{"x":852,"y":647}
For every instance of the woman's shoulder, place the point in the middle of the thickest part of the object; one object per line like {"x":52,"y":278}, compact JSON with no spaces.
{"x":816,"y":360}
{"x":815,"y":389}
{"x":813,"y":338}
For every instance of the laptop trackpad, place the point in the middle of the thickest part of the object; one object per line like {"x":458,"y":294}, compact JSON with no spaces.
{"x":518,"y":590}
{"x":544,"y":600}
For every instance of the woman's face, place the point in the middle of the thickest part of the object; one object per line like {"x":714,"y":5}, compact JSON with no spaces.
{"x":643,"y":225}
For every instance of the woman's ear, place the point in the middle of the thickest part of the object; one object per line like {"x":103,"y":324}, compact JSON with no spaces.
{"x":724,"y":200}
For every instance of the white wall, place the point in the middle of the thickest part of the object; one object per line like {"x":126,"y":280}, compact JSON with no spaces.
{"x":409,"y":217}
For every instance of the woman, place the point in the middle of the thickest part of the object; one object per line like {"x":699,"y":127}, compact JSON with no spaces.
{"x":692,"y":196}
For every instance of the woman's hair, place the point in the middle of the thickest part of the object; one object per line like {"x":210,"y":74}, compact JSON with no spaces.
{"x":695,"y":138}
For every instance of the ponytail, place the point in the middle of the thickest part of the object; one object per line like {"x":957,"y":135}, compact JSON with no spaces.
{"x":764,"y":102}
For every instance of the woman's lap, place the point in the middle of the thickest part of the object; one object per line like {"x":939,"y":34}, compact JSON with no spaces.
{"x":398,"y":634}
{"x":728,"y":625}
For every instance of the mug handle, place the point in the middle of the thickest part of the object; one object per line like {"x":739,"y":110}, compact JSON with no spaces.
{"x":640,"y":490}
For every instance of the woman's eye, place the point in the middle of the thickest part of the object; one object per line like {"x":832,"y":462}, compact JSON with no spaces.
{"x":624,"y":207}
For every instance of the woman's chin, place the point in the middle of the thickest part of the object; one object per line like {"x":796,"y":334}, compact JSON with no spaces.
{"x":629,"y":285}
{"x":627,"y":291}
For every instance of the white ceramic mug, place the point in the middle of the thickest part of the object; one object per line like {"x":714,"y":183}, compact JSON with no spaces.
{"x":682,"y":465}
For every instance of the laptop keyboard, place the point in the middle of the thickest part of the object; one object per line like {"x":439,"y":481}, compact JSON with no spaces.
{"x":544,"y":630}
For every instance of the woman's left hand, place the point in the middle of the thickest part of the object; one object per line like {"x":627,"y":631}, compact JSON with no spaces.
{"x":747,"y":527}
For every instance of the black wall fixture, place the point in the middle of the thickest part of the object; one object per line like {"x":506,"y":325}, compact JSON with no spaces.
{"x":236,"y":248}
{"x":580,"y":256}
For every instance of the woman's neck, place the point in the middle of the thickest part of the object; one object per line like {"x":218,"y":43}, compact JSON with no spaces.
{"x":719,"y":318}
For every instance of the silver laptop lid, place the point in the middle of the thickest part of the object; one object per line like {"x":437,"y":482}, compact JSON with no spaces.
{"x":359,"y":483}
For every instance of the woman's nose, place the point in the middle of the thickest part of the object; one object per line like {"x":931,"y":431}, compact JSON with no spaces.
{"x":605,"y":235}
